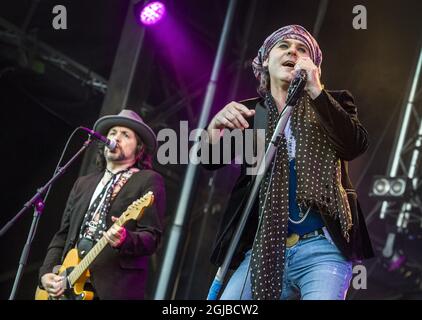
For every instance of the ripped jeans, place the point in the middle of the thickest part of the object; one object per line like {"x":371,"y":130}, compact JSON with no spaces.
{"x":314,"y":270}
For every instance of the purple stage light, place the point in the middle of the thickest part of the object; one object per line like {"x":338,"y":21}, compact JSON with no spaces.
{"x":397,"y":260}
{"x":152,"y":13}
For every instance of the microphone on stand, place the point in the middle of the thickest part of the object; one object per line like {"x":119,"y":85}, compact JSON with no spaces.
{"x":296,"y":88}
{"x":111,"y":144}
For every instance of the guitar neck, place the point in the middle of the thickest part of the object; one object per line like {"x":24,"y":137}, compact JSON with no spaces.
{"x":90,"y":257}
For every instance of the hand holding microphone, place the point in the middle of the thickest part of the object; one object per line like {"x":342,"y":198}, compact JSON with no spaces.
{"x":111,"y":144}
{"x":313,"y":84}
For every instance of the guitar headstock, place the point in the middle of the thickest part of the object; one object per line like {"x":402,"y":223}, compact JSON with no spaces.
{"x":136,"y":210}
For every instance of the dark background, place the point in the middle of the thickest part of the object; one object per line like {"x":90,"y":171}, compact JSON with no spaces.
{"x":41,"y":105}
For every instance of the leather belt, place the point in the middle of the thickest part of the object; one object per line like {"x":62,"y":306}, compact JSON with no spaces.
{"x":294,"y":237}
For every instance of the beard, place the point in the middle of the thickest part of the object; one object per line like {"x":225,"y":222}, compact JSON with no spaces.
{"x":116,"y":155}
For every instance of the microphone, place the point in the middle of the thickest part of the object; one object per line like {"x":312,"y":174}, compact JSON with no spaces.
{"x":301,"y":76}
{"x":296,"y":87}
{"x":111,"y":144}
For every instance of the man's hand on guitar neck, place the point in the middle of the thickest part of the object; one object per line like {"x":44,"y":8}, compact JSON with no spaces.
{"x":116,"y":235}
{"x":53,"y":284}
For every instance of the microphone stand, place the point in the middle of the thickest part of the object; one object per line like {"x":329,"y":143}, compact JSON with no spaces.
{"x":293,"y":95}
{"x":38,"y":202}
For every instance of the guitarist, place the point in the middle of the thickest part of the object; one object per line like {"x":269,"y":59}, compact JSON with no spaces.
{"x":95,"y":202}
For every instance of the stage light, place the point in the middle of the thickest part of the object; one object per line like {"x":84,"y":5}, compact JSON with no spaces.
{"x":390,"y":187}
{"x":150,"y":13}
{"x":396,"y":261}
{"x":380,"y":187}
{"x":398,"y":187}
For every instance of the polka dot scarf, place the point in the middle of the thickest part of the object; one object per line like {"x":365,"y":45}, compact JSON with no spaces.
{"x":318,"y":185}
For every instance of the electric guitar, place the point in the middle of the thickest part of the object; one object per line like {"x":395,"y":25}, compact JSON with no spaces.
{"x":76,"y":270}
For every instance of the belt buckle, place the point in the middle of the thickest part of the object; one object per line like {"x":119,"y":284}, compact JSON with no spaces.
{"x":292,"y":240}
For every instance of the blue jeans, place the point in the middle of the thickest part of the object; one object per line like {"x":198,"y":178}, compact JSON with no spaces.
{"x":314,"y":270}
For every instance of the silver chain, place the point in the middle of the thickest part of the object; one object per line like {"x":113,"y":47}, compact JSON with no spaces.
{"x":301,"y":220}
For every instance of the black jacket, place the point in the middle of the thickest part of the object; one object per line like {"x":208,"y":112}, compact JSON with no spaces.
{"x":116,"y":273}
{"x":337,"y":116}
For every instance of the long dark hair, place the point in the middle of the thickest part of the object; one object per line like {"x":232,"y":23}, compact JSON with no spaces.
{"x":143,"y":158}
{"x":264,"y":82}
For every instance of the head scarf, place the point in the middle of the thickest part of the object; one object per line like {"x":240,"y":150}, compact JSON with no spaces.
{"x":295,"y":32}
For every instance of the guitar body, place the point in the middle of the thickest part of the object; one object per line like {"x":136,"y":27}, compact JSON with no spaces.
{"x":77,"y":292}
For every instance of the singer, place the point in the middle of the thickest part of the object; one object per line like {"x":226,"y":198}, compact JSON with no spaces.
{"x":306,"y":228}
{"x":125,"y":174}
